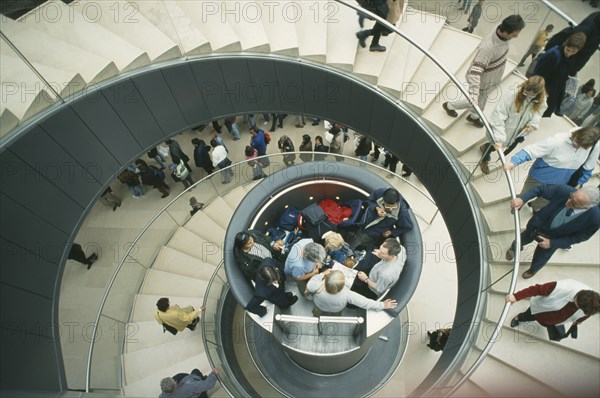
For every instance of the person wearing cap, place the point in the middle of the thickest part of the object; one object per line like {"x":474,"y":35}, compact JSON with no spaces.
{"x":304,"y":261}
{"x":387,"y":217}
{"x":251,"y":248}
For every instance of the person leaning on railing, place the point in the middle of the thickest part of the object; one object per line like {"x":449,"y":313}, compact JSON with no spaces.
{"x":250,"y":248}
{"x":515,"y":117}
{"x":270,"y":286}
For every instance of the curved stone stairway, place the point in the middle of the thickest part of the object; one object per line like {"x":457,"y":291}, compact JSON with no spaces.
{"x":110,"y":46}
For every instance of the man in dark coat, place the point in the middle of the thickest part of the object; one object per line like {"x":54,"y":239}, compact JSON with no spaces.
{"x":387,"y":217}
{"x":177,"y":153}
{"x":270,"y":285}
{"x":571,"y":216}
{"x":251,"y":248}
{"x":202,"y":156}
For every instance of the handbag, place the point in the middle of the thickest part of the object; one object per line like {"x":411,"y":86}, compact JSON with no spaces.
{"x":181,"y":171}
{"x":579,"y":172}
{"x":166,"y":327}
{"x":164,"y":151}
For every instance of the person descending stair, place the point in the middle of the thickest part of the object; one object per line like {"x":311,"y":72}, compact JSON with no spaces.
{"x":175,"y":316}
{"x":487,"y":68}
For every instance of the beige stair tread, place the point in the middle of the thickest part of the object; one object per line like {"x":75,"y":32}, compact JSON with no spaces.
{"x":311,"y":31}
{"x":167,"y":284}
{"x":493,"y":376}
{"x":587,"y":344}
{"x":122,"y":18}
{"x":8,"y":121}
{"x":206,"y":16}
{"x":493,"y":188}
{"x":219,"y":211}
{"x":58,"y":54}
{"x":234,"y":197}
{"x":436,"y":115}
{"x":189,"y":243}
{"x":174,"y":261}
{"x":404,"y":58}
{"x":175,"y":24}
{"x":281,"y":32}
{"x":463,"y":136}
{"x":429,"y":76}
{"x":149,"y":385}
{"x":341,"y":39}
{"x":248,"y":29}
{"x":137,"y":364}
{"x":470,"y":389}
{"x":84,"y":33}
{"x":144,"y":305}
{"x":204,"y":226}
{"x":498,"y":217}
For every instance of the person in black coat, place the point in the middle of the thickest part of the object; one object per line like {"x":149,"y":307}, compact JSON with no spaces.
{"x":202,"y":155}
{"x":250,"y":248}
{"x":590,"y":26}
{"x":152,"y":176}
{"x":555,"y":68}
{"x":572,"y":216}
{"x":177,"y":154}
{"x":270,"y":286}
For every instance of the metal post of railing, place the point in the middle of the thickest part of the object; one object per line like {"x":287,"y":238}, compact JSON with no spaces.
{"x":359,"y":323}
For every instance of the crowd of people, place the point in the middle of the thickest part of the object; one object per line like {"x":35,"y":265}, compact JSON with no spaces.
{"x":565,"y":212}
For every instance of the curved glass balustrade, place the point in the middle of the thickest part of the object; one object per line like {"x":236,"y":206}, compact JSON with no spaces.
{"x":415,"y":85}
{"x":163,"y":229}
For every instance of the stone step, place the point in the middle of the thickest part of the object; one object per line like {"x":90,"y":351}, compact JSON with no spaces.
{"x":84,"y":33}
{"x":470,"y":389}
{"x":404,"y":58}
{"x":436,"y":115}
{"x":280,"y":31}
{"x":498,"y":217}
{"x":311,"y":27}
{"x":492,"y":376}
{"x":58,"y":54}
{"x":8,"y":121}
{"x":171,"y":20}
{"x":585,"y":253}
{"x":138,"y":364}
{"x":191,"y":244}
{"x":122,"y":18}
{"x":144,"y":305}
{"x":586,"y":344}
{"x":168,"y":284}
{"x":204,"y":226}
{"x":174,"y":261}
{"x":149,"y":385}
{"x":219,"y":211}
{"x":206,"y":16}
{"x":429,"y":78}
{"x":341,"y":39}
{"x":234,"y":197}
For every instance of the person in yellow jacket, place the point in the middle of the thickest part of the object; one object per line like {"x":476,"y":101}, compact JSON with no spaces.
{"x":175,"y":316}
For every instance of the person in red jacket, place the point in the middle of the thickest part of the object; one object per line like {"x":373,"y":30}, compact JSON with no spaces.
{"x":557,"y":303}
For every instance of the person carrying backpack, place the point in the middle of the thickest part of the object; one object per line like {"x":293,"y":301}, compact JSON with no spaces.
{"x":152,"y":176}
{"x":554,"y":66}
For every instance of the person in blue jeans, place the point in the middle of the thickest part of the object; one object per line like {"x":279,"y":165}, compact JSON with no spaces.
{"x":259,"y":142}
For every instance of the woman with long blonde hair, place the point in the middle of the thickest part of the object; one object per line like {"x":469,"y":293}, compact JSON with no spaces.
{"x":515,"y":117}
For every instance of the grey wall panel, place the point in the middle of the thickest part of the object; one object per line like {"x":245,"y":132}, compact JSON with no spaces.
{"x":382,"y":117}
{"x":262,"y":73}
{"x":361,"y":106}
{"x":337,"y":98}
{"x":159,"y":98}
{"x":27,"y":329}
{"x":67,"y":128}
{"x":32,"y":191}
{"x":127,"y":101}
{"x":236,"y":78}
{"x":315,"y":91}
{"x":187,"y":93}
{"x":210,"y":88}
{"x":34,"y":270}
{"x":45,"y":240}
{"x":56,"y":165}
{"x":105,"y":124}
{"x":290,"y":87}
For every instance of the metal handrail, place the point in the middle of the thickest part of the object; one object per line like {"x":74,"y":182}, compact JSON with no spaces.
{"x":488,"y":131}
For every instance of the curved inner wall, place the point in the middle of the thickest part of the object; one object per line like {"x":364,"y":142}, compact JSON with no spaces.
{"x":71,"y":154}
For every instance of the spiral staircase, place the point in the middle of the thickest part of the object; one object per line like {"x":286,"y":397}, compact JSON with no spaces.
{"x":74,"y":54}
